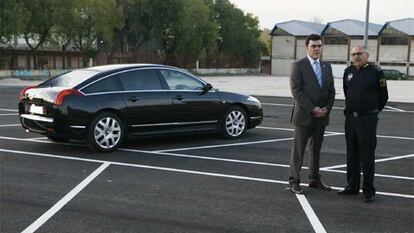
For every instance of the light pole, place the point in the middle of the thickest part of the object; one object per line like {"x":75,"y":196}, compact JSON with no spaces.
{"x":366,"y":26}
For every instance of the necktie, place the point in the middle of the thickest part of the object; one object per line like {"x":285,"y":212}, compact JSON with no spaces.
{"x":318,"y":72}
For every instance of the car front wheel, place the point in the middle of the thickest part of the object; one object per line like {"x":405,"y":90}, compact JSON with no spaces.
{"x":106,"y":132}
{"x":234,"y":123}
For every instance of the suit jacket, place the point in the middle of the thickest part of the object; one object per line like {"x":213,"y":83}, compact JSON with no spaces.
{"x":308,"y":94}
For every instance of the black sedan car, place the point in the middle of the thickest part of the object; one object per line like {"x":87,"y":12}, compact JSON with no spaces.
{"x":105,"y":104}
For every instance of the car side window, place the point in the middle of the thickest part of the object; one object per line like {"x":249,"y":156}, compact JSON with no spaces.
{"x":180,"y":81}
{"x":140,"y":80}
{"x":108,"y":84}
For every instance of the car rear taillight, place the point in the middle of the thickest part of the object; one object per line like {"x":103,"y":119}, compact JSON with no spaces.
{"x":23,"y":92}
{"x":62,"y":94}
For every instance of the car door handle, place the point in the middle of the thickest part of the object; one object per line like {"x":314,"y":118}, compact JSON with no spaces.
{"x":178,"y":97}
{"x":132,"y":99}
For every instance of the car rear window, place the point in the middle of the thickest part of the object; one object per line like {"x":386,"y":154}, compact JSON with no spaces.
{"x":108,"y":84}
{"x":69,"y":79}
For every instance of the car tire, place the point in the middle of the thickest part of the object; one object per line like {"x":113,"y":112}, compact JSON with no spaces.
{"x":234,"y":122}
{"x":105,"y":132}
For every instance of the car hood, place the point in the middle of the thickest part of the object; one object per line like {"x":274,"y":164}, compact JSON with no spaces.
{"x":231,"y":95}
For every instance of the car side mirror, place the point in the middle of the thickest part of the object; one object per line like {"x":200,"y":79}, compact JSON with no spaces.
{"x":206,"y":88}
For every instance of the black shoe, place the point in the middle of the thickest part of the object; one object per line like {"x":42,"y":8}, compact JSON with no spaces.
{"x":295,"y":188}
{"x":348,"y":192}
{"x":318,"y":183}
{"x":369,"y":198}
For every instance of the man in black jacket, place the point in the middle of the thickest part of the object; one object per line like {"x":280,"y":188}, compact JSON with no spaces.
{"x":366,"y":94}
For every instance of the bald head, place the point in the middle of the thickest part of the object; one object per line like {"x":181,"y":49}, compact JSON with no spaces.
{"x":359,"y":56}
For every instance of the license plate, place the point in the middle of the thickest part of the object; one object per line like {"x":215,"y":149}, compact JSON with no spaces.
{"x":36,"y":109}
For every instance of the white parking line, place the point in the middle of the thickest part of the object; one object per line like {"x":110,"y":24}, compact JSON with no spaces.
{"x":62,"y":202}
{"x":184,"y":171}
{"x":333,"y":133}
{"x":210,"y":158}
{"x":376,"y":174}
{"x":9,"y":114}
{"x":11,"y":125}
{"x":342,"y":108}
{"x":313,"y":219}
{"x":8,"y":110}
{"x":395,"y":137}
{"x":325,"y":169}
{"x":226,"y":145}
{"x":396,"y":109}
{"x":376,"y":161}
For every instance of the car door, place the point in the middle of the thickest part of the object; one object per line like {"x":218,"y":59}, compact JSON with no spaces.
{"x":191,"y":105}
{"x":149,"y":105}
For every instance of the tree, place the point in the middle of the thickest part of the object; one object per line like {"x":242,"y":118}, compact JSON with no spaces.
{"x":195,"y":32}
{"x":238,"y":33}
{"x":265,"y":39}
{"x":93,"y":19}
{"x":38,"y":17}
{"x":140,"y":18}
{"x":10,"y":20}
{"x":64,"y":31}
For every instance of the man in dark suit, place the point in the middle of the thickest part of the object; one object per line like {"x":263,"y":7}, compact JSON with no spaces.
{"x":313,"y":91}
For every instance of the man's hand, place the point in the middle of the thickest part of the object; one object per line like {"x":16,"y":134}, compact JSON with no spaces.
{"x":320,"y":112}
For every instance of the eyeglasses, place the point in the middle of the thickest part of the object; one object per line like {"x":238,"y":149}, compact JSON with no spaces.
{"x":316,"y":45}
{"x":356,"y":54}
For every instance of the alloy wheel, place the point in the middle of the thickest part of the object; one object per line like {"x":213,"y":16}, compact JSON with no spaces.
{"x":235,"y":123}
{"x":107,"y":132}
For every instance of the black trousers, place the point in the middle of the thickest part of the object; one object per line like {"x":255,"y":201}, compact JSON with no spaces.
{"x":361,"y":141}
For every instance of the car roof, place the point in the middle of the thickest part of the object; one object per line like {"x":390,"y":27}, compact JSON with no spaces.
{"x":114,"y":67}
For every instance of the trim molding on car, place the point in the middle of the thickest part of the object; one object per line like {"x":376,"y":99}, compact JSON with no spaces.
{"x":78,"y":126}
{"x":175,"y":123}
{"x":37,"y":118}
{"x":258,"y":117}
{"x":118,"y":92}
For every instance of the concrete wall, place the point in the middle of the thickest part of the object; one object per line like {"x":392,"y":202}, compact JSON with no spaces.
{"x":412,"y":52}
{"x":21,"y":61}
{"x":30,"y":74}
{"x":283,"y":47}
{"x":393,"y":53}
{"x":335,"y":52}
{"x":281,"y":67}
{"x":300,"y":49}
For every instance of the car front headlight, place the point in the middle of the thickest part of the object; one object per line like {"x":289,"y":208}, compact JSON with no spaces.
{"x":251,"y":98}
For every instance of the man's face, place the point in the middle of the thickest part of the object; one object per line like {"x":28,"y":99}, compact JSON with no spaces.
{"x":314,"y":49}
{"x":359,"y":56}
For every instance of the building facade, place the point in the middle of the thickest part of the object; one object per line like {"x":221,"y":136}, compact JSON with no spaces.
{"x":389,"y":45}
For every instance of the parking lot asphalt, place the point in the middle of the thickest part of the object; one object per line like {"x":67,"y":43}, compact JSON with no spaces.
{"x":200,"y":183}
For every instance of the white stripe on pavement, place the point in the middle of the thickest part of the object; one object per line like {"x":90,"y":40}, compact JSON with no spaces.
{"x":184,"y":171}
{"x":396,"y":109}
{"x":62,"y":202}
{"x":8,"y":110}
{"x":376,"y":161}
{"x":342,"y":108}
{"x":11,"y":125}
{"x":313,"y":219}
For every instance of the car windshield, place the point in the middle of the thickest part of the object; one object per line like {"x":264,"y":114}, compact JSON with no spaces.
{"x":69,"y":79}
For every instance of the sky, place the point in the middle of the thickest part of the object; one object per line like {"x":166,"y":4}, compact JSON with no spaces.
{"x":271,"y":12}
